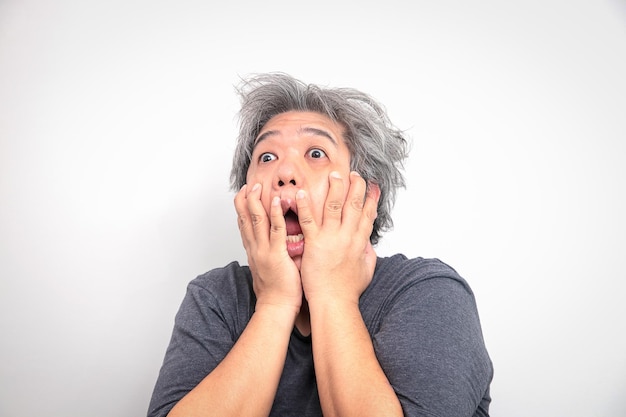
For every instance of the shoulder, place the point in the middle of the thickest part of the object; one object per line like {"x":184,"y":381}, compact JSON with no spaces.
{"x":400,"y":271}
{"x":408,"y":285}
{"x":425,"y":328}
{"x":232,"y":279}
{"x":225,"y":291}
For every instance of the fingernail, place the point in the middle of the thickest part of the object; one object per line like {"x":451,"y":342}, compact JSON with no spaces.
{"x":335,"y":174}
{"x":256,"y":186}
{"x":300,"y":194}
{"x":276,"y":201}
{"x":356,"y":173}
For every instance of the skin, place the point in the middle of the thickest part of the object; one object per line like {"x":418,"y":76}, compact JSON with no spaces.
{"x":301,"y":162}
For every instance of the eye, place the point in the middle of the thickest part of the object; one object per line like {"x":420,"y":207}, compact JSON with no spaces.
{"x":267,"y":157}
{"x":316,"y":153}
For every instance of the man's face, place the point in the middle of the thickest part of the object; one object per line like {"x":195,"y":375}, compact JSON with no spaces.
{"x":298,"y":150}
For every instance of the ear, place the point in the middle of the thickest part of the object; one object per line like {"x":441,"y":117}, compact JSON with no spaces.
{"x":373,"y":191}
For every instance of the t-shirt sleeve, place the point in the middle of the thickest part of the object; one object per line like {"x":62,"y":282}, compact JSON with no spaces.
{"x":431,"y":348}
{"x":201,"y":338}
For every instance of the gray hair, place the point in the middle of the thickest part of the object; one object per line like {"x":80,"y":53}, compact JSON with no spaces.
{"x":377,"y":148}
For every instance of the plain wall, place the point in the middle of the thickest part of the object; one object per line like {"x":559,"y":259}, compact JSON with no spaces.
{"x":117,"y":126}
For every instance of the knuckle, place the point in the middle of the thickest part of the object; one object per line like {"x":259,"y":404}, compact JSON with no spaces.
{"x":256,"y":219}
{"x":357,"y":203}
{"x":334,"y":206}
{"x":305,"y":220}
{"x":275,"y":229}
{"x":373,"y":214}
{"x":241,"y":221}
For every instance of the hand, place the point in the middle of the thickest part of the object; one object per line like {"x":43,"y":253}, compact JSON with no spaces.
{"x":275,"y":277}
{"x":338,"y":260}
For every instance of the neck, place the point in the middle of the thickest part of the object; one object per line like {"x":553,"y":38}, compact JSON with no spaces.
{"x":303,"y":320}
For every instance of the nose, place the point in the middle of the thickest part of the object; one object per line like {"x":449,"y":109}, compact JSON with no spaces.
{"x":287,"y":173}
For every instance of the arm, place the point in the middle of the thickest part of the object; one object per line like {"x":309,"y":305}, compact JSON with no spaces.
{"x":337,"y":266}
{"x":351,"y":382}
{"x":429,"y":341}
{"x":245,"y":381}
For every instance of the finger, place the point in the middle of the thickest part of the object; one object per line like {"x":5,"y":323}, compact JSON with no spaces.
{"x":355,"y":201}
{"x":370,"y":209}
{"x":371,"y":201}
{"x":258,"y":216}
{"x":243,"y":217}
{"x":305,"y":216}
{"x":334,"y":201}
{"x":278,"y":228}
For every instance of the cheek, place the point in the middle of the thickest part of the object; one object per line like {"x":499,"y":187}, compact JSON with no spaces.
{"x":250,"y":175}
{"x":253,"y":178}
{"x":321,"y":194}
{"x":318,"y":195}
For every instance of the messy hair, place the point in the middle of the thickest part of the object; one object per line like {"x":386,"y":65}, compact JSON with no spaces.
{"x":377,"y":148}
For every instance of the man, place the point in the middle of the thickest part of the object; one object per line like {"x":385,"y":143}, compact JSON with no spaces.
{"x":318,"y":324}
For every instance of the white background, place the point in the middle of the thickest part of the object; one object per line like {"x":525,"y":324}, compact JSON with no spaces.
{"x":117,"y":126}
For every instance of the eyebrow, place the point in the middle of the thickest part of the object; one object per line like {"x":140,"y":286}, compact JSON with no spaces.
{"x":308,"y":130}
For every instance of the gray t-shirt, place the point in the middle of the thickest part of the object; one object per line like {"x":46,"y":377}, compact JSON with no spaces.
{"x":421,"y":316}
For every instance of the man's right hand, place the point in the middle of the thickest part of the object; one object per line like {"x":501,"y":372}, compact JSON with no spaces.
{"x":276,"y":279}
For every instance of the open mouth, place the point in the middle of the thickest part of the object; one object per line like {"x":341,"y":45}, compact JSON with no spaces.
{"x":295,"y":237}
{"x":294,"y":231}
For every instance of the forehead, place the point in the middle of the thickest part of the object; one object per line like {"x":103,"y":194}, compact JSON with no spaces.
{"x":297,"y":123}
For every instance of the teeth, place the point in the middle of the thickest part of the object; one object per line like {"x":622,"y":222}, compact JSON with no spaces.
{"x":295,"y":238}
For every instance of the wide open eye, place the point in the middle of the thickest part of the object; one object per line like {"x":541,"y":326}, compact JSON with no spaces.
{"x":267,"y":157}
{"x":316,"y":153}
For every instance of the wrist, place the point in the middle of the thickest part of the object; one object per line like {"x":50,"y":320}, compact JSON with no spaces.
{"x":283,"y":315}
{"x":331,"y":303}
{"x":331,"y":297}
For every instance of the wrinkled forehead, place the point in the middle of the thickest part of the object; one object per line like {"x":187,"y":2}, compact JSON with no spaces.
{"x":301,"y":131}
{"x":302,"y":124}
